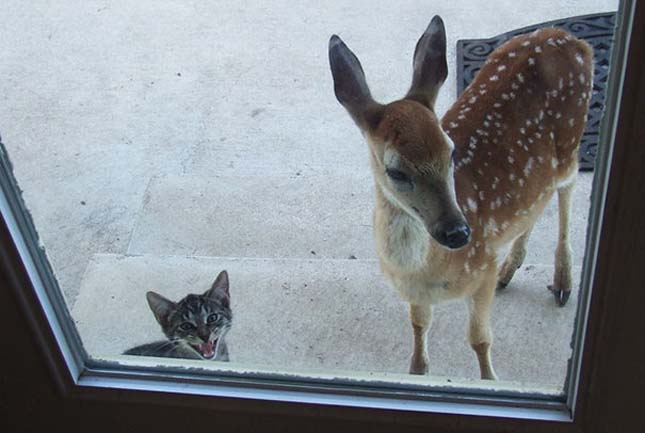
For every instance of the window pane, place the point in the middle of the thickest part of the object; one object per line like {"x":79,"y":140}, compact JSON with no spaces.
{"x":159,"y":144}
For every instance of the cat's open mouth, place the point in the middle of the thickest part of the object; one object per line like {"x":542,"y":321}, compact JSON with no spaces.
{"x":206,"y":350}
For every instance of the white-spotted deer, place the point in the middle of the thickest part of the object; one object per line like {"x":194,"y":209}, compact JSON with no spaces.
{"x":451,"y":195}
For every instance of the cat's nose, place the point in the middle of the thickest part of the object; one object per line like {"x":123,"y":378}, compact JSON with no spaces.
{"x":204,"y":334}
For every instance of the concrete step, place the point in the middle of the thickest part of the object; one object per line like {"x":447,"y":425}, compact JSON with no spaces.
{"x":257,"y":216}
{"x":294,"y":217}
{"x":326,"y":315}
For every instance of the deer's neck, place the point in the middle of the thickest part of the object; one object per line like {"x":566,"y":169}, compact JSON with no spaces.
{"x":402,"y":240}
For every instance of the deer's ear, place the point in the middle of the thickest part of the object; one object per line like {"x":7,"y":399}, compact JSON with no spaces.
{"x":160,"y":306}
{"x":350,"y":85}
{"x":430,"y":66}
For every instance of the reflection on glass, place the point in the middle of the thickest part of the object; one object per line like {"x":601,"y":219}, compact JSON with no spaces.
{"x":160,"y":145}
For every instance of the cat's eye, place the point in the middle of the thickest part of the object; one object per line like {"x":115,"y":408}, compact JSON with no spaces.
{"x":187,"y":326}
{"x":212,"y":318}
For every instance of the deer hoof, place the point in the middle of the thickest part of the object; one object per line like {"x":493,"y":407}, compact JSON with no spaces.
{"x":561,"y":296}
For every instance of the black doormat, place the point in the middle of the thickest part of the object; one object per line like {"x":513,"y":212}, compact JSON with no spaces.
{"x":596,"y":29}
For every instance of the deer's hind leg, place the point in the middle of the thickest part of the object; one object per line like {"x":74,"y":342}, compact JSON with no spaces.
{"x":562,"y":281}
{"x":513,"y":260}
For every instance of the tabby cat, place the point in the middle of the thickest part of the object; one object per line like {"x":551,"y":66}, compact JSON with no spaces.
{"x":195,"y":326}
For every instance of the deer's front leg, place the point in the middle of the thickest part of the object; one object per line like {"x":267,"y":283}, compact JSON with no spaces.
{"x":479,"y":332}
{"x":420,"y":315}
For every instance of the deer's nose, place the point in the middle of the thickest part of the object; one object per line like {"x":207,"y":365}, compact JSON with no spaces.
{"x":454,"y":235}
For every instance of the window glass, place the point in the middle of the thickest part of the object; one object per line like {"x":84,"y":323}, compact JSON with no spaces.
{"x":174,"y":148}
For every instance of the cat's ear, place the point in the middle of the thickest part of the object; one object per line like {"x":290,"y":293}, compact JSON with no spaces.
{"x":160,"y":306}
{"x":219,"y":289}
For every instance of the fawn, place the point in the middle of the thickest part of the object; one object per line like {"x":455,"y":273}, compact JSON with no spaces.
{"x":451,"y":195}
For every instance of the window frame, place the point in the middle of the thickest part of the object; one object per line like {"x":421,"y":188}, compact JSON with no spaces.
{"x":31,"y":283}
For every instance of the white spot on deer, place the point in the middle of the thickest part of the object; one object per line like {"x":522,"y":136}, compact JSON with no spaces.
{"x":480,"y":171}
{"x":495,"y":182}
{"x":481,"y":195}
{"x":514,"y":86}
{"x":554,"y":162}
{"x":538,"y":135}
{"x":528,"y":166}
{"x":475,"y":187}
{"x":549,"y":112}
{"x":497,"y":105}
{"x":540,"y":159}
{"x":512,"y":54}
{"x":558,"y":115}
{"x":572,"y":122}
{"x":551,"y":42}
{"x":498,"y":201}
{"x":552,"y":135}
{"x":505,"y":97}
{"x":470,"y":153}
{"x":522,"y":131}
{"x":472,"y":100}
{"x":520,"y":77}
{"x":500,"y":68}
{"x":472,"y":205}
{"x":453,"y":124}
{"x":511,"y":177}
{"x":538,"y":49}
{"x":492,"y":205}
{"x":482,"y":92}
{"x":581,"y":77}
{"x":531,"y":61}
{"x":528,"y":122}
{"x":540,"y":115}
{"x":520,"y":181}
{"x":481,"y":132}
{"x":560,"y":83}
{"x":467,"y":267}
{"x":526,"y":43}
{"x":461,"y":117}
{"x":530,"y":140}
{"x":494,"y":78}
{"x":554,"y":93}
{"x":497,"y":124}
{"x":486,"y":123}
{"x":490,"y":228}
{"x":579,"y":58}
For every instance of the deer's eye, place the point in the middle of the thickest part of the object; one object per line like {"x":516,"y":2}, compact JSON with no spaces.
{"x":397,"y":176}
